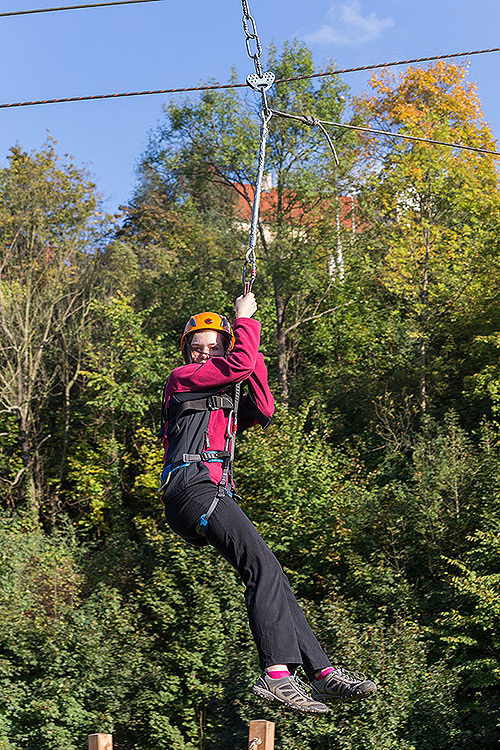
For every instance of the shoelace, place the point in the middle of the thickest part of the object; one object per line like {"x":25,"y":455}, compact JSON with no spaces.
{"x":350,"y":674}
{"x":301,"y":686}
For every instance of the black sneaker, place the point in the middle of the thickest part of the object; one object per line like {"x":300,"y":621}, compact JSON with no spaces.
{"x":342,"y":685}
{"x":290,"y":691}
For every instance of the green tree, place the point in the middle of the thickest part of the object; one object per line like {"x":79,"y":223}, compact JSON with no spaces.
{"x":469,"y":632}
{"x":203,"y":160}
{"x":49,"y":228}
{"x":125,"y":370}
{"x":432,"y":210}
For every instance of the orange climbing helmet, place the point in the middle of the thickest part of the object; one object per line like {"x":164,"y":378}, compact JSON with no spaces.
{"x":206,"y":321}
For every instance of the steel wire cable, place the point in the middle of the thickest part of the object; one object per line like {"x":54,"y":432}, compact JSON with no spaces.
{"x":310,"y":120}
{"x":216,"y":87}
{"x":376,"y":66}
{"x":74,"y":7}
{"x":96,"y":97}
{"x":250,"y":257}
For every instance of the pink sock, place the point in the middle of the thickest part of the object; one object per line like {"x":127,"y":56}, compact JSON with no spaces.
{"x":324,"y":672}
{"x":275,"y":675}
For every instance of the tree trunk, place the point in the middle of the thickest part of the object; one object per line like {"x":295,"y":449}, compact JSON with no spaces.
{"x":280,"y":304}
{"x":67,"y":423}
{"x":64,"y":451}
{"x":424,"y":299}
{"x":29,"y":479}
{"x":336,"y":267}
{"x":281,"y":344}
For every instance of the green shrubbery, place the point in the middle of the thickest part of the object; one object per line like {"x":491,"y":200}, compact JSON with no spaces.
{"x":377,"y":484}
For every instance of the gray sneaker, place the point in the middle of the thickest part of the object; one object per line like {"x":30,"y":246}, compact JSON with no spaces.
{"x":290,"y":691}
{"x":342,"y":685}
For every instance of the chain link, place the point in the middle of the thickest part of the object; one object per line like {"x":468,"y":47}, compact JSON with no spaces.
{"x":260,"y":82}
{"x":254,"y":45}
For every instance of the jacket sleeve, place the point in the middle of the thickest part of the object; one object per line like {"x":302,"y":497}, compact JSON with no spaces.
{"x":219,"y":372}
{"x":258,"y":405}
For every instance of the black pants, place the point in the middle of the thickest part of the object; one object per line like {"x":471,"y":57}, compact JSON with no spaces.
{"x":278,"y":625}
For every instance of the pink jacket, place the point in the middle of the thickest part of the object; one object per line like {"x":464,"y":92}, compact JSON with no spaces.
{"x":207,"y":430}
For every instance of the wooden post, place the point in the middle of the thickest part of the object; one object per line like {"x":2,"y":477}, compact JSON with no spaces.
{"x":263,"y":731}
{"x":100,"y":742}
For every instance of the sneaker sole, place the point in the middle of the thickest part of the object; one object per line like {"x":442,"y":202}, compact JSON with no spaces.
{"x":337,"y":698}
{"x":270,"y":698}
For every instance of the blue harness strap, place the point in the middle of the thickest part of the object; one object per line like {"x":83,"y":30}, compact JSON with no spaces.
{"x":188,"y":458}
{"x":167,"y":472}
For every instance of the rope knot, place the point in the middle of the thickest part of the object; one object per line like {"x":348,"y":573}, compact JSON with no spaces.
{"x":310,"y":120}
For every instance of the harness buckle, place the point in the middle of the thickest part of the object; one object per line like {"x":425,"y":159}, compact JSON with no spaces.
{"x":214,"y":455}
{"x":208,"y":455}
{"x":219,"y":401}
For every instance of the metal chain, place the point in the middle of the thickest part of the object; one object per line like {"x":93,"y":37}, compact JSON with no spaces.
{"x":251,"y":34}
{"x":260,"y":82}
{"x":254,"y":743}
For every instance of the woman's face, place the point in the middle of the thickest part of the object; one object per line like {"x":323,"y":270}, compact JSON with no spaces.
{"x":205,"y":345}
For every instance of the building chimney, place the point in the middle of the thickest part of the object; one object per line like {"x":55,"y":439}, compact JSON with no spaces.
{"x":267,"y":182}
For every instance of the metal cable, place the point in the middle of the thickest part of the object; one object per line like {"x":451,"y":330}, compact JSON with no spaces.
{"x":309,"y":120}
{"x":329,"y":139}
{"x":74,"y":7}
{"x":95,"y":97}
{"x":250,"y":258}
{"x":216,"y":87}
{"x":338,"y":71}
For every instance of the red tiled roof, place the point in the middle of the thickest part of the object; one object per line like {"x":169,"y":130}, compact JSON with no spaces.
{"x":293,"y":210}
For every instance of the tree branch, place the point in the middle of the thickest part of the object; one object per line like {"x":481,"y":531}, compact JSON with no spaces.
{"x":16,"y":480}
{"x":317,"y":315}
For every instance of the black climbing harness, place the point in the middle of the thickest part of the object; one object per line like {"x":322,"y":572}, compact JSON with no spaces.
{"x":226,"y":484}
{"x":228,"y":399}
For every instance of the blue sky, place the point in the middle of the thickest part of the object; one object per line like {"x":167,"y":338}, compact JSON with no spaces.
{"x":177,"y":43}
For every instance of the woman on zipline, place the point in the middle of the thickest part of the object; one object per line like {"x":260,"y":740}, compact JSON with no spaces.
{"x":202,"y":411}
